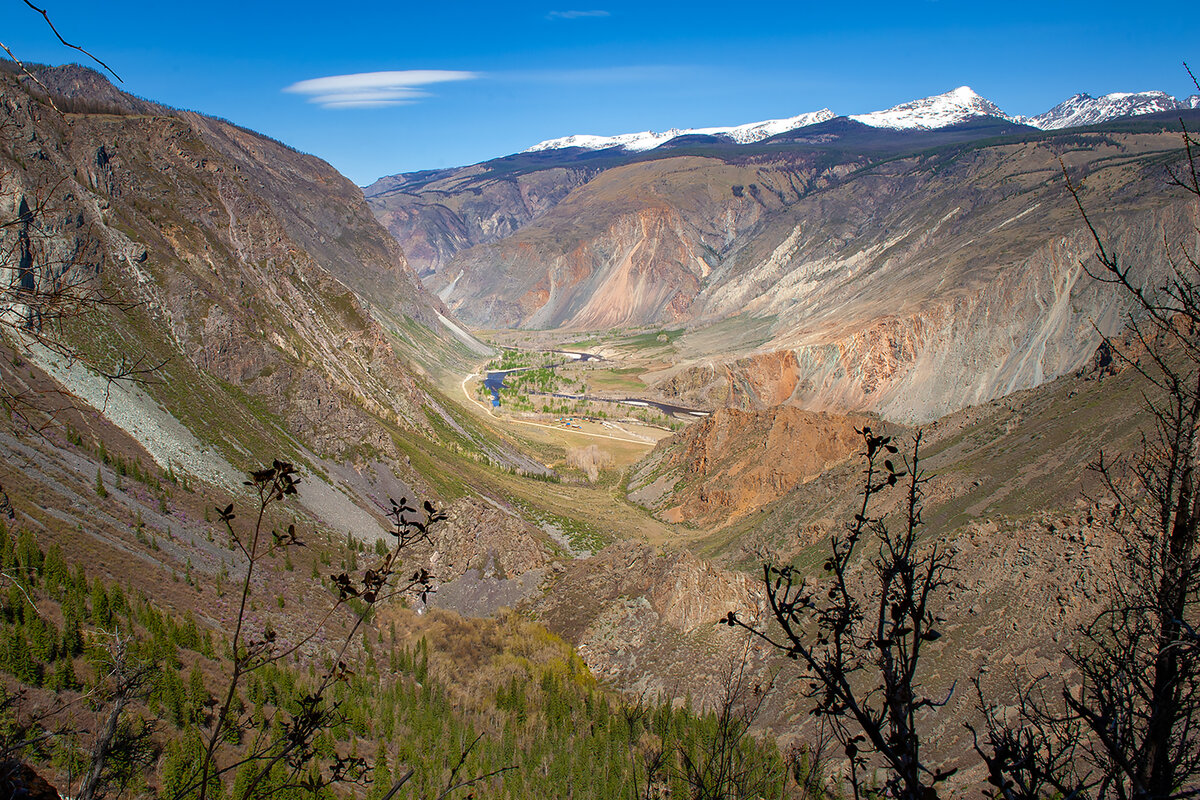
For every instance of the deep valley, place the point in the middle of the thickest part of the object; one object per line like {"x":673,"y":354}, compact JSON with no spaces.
{"x":444,"y":487}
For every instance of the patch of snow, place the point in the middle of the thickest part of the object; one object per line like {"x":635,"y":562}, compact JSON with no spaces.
{"x":648,"y":140}
{"x":757,"y":131}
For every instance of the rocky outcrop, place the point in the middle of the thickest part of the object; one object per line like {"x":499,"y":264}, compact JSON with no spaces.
{"x":684,"y":592}
{"x":480,"y":536}
{"x":646,"y":619}
{"x":735,"y":462}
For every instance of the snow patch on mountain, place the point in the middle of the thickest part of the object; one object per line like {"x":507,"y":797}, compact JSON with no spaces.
{"x":757,"y":131}
{"x":929,"y":113}
{"x":648,"y":140}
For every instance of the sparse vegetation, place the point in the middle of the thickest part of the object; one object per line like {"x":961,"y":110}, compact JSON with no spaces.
{"x":533,"y":722}
{"x":1127,"y":728}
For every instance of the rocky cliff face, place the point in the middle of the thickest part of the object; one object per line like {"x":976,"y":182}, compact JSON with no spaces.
{"x":646,"y":618}
{"x":434,"y":215}
{"x":481,"y":537}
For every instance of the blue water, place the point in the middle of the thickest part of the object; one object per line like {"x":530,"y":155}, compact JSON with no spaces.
{"x":494,"y":383}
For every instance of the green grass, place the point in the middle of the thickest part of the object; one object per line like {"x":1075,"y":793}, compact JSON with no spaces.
{"x":621,"y":379}
{"x":658,"y":338}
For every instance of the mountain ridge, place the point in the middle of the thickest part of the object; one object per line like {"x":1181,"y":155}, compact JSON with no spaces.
{"x":928,"y":113}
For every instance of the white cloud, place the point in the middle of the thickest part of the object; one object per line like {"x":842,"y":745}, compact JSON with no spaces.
{"x":375,"y":89}
{"x":576,"y":14}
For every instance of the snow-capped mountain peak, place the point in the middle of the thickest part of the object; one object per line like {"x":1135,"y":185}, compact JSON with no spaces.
{"x":1083,"y":109}
{"x":939,"y":111}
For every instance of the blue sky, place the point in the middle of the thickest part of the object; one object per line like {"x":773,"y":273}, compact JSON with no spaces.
{"x":494,"y":78}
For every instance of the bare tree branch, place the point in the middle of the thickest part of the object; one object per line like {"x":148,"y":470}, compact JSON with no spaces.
{"x":862,"y":646}
{"x":65,"y":43}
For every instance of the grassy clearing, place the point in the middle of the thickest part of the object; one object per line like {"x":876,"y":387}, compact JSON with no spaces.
{"x":651,"y":339}
{"x":616,"y":379}
{"x":579,"y":535}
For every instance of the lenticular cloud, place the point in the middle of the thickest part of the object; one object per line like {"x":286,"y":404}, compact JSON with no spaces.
{"x":374,"y":89}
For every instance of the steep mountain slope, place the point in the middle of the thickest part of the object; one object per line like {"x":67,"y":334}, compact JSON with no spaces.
{"x":636,"y":244}
{"x":183,"y":228}
{"x":435,"y":215}
{"x":318,"y":209}
{"x":926,"y":284}
{"x":251,"y":276}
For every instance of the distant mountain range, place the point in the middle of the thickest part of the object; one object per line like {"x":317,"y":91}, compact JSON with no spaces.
{"x":929,"y":113}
